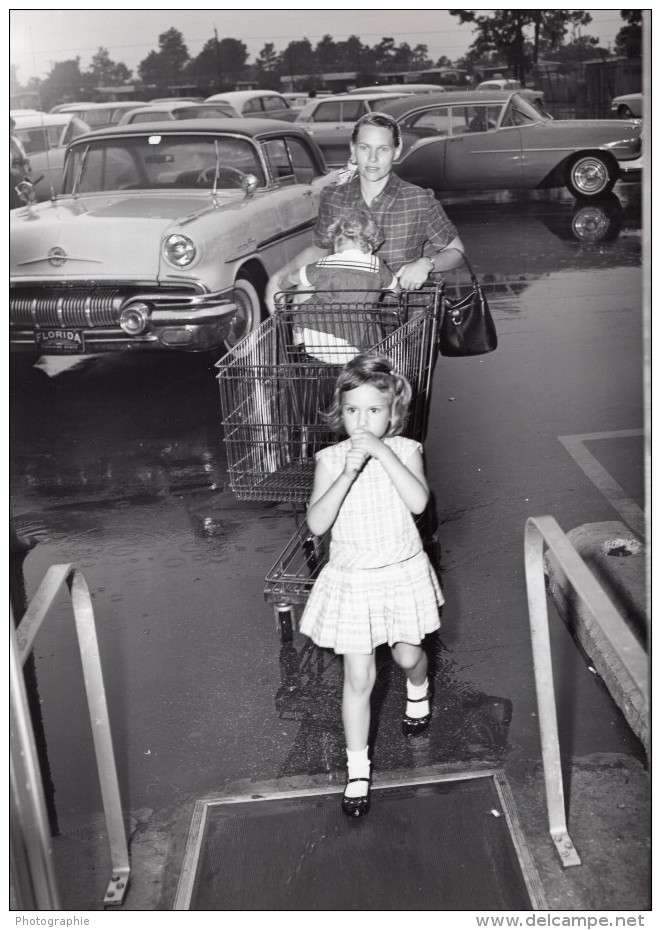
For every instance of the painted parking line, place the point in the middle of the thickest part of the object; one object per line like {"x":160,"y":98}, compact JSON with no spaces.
{"x":619,"y":500}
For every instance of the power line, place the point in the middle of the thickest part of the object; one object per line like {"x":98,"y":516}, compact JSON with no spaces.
{"x":270,"y":38}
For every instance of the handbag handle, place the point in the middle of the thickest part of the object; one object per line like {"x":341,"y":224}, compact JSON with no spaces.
{"x":469,"y":266}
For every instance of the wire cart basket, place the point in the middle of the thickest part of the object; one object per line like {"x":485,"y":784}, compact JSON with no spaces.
{"x":277,"y":382}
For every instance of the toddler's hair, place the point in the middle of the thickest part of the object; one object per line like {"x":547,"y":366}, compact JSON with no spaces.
{"x":378,"y":371}
{"x":355,"y":227}
{"x":384,"y":120}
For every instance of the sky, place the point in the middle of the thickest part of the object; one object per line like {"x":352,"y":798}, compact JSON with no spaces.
{"x":39,"y":38}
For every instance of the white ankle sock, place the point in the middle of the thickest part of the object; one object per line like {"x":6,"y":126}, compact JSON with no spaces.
{"x":415,"y":707}
{"x":358,"y":767}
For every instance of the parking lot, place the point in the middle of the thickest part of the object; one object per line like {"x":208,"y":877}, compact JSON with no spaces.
{"x":118,"y":464}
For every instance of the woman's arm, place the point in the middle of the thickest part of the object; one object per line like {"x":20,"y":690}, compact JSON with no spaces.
{"x":414,"y":275}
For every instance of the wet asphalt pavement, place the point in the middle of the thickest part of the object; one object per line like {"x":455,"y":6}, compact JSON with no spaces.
{"x":119,"y":465}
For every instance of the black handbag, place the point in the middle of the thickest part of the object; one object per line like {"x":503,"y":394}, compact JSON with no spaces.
{"x":467,"y":327}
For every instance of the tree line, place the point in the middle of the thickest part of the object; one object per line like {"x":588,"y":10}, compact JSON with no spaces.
{"x":513,"y":39}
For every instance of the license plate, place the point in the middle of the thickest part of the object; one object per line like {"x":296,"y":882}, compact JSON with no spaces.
{"x":60,"y":341}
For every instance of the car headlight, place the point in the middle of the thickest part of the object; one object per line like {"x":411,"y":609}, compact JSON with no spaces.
{"x":179,"y":250}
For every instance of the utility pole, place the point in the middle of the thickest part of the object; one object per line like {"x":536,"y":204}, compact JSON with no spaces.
{"x":219,"y":72}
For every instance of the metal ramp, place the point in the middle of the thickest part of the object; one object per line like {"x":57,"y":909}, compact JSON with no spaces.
{"x":445,"y":842}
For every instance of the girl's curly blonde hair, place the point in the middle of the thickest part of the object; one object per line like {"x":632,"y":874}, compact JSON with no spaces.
{"x":356,"y":228}
{"x":379,"y":372}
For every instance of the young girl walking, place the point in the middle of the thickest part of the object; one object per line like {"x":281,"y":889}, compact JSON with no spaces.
{"x":378,"y":586}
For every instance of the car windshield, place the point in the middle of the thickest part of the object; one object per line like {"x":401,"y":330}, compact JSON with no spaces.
{"x":161,"y":161}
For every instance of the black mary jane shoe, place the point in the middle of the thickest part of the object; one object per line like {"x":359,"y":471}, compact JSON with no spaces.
{"x":411,"y":726}
{"x":357,"y":807}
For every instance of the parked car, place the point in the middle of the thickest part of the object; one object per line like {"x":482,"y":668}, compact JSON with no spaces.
{"x":329,"y":120}
{"x":151,"y":112}
{"x":537,"y":96}
{"x":398,"y":89}
{"x":499,"y":84}
{"x":44,"y":137}
{"x":177,"y":100}
{"x":60,"y":107}
{"x":628,"y":106}
{"x":98,"y":115}
{"x":164,"y":236}
{"x":499,"y":140}
{"x":265,"y":104}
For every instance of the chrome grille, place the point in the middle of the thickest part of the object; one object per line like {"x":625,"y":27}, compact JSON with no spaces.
{"x":83,"y":307}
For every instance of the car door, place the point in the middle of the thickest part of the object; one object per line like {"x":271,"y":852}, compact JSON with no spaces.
{"x":434,"y":122}
{"x":481,"y":153}
{"x":300,"y":183}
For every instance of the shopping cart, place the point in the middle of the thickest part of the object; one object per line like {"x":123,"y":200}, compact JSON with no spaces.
{"x":275,"y":385}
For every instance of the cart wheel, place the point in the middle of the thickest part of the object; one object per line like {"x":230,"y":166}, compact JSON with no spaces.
{"x":286,"y":630}
{"x":284,"y":618}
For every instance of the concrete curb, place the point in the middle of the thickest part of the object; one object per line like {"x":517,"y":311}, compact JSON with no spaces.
{"x":617,"y":560}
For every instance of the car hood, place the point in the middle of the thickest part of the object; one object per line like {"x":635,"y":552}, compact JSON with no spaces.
{"x":98,"y":236}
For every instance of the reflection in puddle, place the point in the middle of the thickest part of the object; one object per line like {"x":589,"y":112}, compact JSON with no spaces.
{"x":467,"y":725}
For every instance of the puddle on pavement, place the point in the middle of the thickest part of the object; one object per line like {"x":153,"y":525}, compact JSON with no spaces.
{"x":467,"y":725}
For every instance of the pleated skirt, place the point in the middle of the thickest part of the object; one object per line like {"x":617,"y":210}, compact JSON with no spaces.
{"x":355,"y":610}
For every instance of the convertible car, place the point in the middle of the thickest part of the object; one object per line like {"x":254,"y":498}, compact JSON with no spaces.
{"x":503,"y":140}
{"x":164,"y":236}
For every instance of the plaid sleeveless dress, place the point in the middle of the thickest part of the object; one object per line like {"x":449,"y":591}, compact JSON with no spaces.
{"x":379,"y":585}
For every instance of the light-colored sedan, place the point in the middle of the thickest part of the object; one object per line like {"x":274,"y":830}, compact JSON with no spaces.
{"x":176,"y":110}
{"x":499,"y":140}
{"x":398,"y":89}
{"x":628,"y":106}
{"x":44,"y":137}
{"x":163,"y":238}
{"x":99,"y":115}
{"x":264,"y":104}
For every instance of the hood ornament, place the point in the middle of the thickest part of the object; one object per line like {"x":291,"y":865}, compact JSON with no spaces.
{"x":57,"y":257}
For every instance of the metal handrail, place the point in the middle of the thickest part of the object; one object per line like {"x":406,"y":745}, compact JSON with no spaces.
{"x":27,"y":793}
{"x":538,"y":532}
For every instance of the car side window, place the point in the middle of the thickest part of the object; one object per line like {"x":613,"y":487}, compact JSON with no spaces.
{"x":150,"y":117}
{"x":305,"y":169}
{"x":253,"y":106}
{"x":327,"y":112}
{"x":278,"y":158}
{"x":353,"y":110}
{"x":517,"y":117}
{"x":436,"y":121}
{"x":481,"y":118}
{"x":275,"y":103}
{"x":39,"y":140}
{"x":459,"y":120}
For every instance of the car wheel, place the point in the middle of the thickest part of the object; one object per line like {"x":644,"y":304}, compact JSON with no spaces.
{"x":248,"y":314}
{"x":590,"y":176}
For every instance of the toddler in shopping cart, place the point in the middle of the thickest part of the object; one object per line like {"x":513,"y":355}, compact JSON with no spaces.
{"x":351,"y":277}
{"x":378,"y":585}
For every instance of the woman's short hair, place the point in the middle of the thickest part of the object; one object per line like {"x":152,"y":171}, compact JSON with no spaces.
{"x":379,"y":372}
{"x":356,"y":226}
{"x":384,"y":120}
